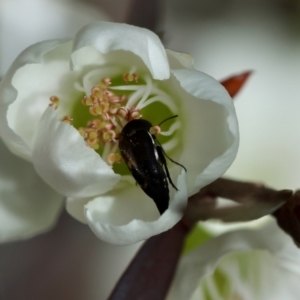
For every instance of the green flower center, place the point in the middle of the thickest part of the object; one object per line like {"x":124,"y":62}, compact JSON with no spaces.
{"x":107,"y":106}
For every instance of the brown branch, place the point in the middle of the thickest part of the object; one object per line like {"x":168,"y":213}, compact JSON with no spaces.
{"x":288,"y":217}
{"x":252,"y":200}
{"x":150,"y":273}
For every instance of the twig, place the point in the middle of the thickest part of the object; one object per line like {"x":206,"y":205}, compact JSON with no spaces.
{"x":150,"y":273}
{"x":253,"y":201}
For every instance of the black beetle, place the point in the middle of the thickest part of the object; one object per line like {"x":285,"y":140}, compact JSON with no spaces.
{"x":145,"y":158}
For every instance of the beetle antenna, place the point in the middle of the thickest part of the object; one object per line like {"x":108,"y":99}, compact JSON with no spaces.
{"x":167,"y":119}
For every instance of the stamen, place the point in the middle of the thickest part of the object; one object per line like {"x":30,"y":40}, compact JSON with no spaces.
{"x":82,"y":132}
{"x":88,"y":81}
{"x":108,"y":135}
{"x":166,"y":99}
{"x":95,"y":124}
{"x":131,"y":76}
{"x":96,"y":90}
{"x":148,"y":90}
{"x":54,"y":101}
{"x":105,"y":82}
{"x":115,"y":146}
{"x":172,"y":129}
{"x":135,"y":115}
{"x":106,"y":151}
{"x":114,"y":158}
{"x":135,"y":96}
{"x":113,"y":110}
{"x":93,"y":110}
{"x":126,"y":87}
{"x":155,"y":130}
{"x":93,"y":135}
{"x":170,"y":145}
{"x":105,"y":116}
{"x":67,"y":119}
{"x":123,"y":112}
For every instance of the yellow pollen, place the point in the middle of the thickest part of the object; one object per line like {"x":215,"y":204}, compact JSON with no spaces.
{"x":54,"y":101}
{"x":94,"y":99}
{"x":93,"y":111}
{"x":105,"y":83}
{"x":98,"y":110}
{"x":96,"y":90}
{"x":104,"y":106}
{"x":114,"y":109}
{"x":95,"y":124}
{"x":122,"y":112}
{"x":93,"y":135}
{"x":105,"y":116}
{"x":109,"y":135}
{"x":109,"y":126}
{"x":128,"y":77}
{"x":95,"y":147}
{"x":67,"y":119}
{"x":114,"y":158}
{"x":89,"y":101}
{"x":110,"y":113}
{"x":115,"y":99}
{"x":155,"y":130}
{"x":135,"y":115}
{"x":92,"y":143}
{"x":82,"y":132}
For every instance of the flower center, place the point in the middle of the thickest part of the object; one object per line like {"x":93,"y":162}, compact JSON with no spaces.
{"x":107,"y":106}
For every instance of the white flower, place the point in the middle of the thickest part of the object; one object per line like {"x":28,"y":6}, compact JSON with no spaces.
{"x":244,"y":264}
{"x":109,"y":74}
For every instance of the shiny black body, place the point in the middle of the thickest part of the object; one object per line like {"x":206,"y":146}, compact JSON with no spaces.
{"x":146,"y":161}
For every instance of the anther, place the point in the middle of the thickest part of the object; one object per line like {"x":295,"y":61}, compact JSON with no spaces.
{"x":135,"y":115}
{"x":129,"y":77}
{"x":96,"y":90}
{"x":122,"y":112}
{"x":105,"y":116}
{"x":67,"y":119}
{"x":93,"y":135}
{"x":109,"y":135}
{"x":114,"y":109}
{"x":54,"y":101}
{"x":114,"y":158}
{"x":155,"y":130}
{"x":93,"y":111}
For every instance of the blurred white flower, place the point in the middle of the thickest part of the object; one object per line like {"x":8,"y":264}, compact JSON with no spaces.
{"x":240,"y":265}
{"x":26,"y":22}
{"x":64,"y":103}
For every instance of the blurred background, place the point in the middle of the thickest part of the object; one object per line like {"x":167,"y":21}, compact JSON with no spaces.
{"x":225,"y":37}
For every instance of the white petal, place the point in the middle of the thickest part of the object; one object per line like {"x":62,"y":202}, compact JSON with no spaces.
{"x":177,"y":60}
{"x":202,"y":261}
{"x":128,"y":216}
{"x":107,"y":37}
{"x":210,"y":134}
{"x":75,"y":207}
{"x":9,"y":93}
{"x":62,"y":159}
{"x":27,"y":205}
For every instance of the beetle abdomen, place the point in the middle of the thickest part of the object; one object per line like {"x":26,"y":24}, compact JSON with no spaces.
{"x":138,"y":149}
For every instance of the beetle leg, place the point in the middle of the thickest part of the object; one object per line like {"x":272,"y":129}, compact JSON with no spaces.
{"x":164,"y":154}
{"x":163,"y":161}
